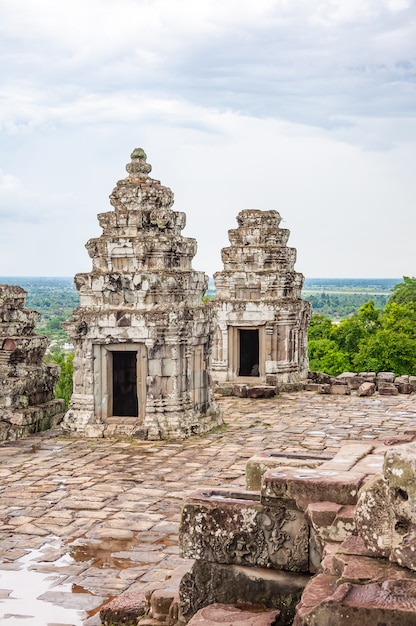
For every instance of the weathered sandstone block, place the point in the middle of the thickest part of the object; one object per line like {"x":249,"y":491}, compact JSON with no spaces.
{"x":385,"y":377}
{"x":258,"y":465}
{"x":386,"y":510}
{"x":387,"y":389}
{"x":340,"y":390}
{"x":230,"y":526}
{"x":27,"y":402}
{"x":209,"y":583}
{"x":229,"y":615}
{"x":391,"y":602}
{"x":310,"y":485}
{"x":366,"y":389}
{"x":263,"y":391}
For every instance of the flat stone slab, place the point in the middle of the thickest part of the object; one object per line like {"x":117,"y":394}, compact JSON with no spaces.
{"x":265,"y":391}
{"x":310,"y":485}
{"x":230,"y":616}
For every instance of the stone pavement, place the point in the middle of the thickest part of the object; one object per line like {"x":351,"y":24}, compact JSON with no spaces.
{"x":84,"y":520}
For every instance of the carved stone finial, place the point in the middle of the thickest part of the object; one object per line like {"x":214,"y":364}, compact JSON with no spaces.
{"x":138,"y":168}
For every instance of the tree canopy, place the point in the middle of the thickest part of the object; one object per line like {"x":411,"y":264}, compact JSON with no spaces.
{"x":371,"y":339}
{"x":404,"y":292}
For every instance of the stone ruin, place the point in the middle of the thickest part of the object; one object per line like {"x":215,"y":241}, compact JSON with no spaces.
{"x":261,"y":320}
{"x":27,"y":402}
{"x":362,"y":383}
{"x":142,"y":334}
{"x":311,"y":542}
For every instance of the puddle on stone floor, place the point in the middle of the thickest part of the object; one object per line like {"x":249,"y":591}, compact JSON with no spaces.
{"x":32,"y":598}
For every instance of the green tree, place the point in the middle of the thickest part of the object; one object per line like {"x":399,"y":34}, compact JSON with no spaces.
{"x":350,"y":332}
{"x":325,"y":356}
{"x":320,"y":327}
{"x":64,"y":385}
{"x":404,"y":292}
{"x":387,"y":351}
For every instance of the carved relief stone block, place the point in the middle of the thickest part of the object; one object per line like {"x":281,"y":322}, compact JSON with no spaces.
{"x":225,"y":526}
{"x":208,"y":583}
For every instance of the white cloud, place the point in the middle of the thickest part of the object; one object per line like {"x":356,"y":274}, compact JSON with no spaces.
{"x":299,"y":105}
{"x":8,"y":182}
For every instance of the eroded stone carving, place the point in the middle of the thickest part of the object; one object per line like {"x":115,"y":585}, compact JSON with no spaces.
{"x":261,"y":320}
{"x":386,"y":510}
{"x":225,"y":526}
{"x":142,"y":334}
{"x":27,"y":402}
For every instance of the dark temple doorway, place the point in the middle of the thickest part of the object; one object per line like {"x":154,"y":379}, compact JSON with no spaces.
{"x":125,"y":402}
{"x":249,"y":353}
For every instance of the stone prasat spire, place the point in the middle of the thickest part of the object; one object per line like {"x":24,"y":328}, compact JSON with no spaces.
{"x":261,"y":320}
{"x":142,"y":334}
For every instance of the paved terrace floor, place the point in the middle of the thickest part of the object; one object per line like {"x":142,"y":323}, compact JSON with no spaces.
{"x":84,"y":520}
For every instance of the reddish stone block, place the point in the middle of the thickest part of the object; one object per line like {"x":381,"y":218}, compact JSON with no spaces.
{"x":387,"y":389}
{"x":340,"y":390}
{"x":240,"y":391}
{"x":391,"y":602}
{"x":317,"y":591}
{"x":261,"y":392}
{"x":229,"y":615}
{"x":405,"y":388}
{"x":322,"y":513}
{"x":127,"y":608}
{"x":366,"y":389}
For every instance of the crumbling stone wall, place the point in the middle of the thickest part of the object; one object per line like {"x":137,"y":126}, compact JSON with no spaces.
{"x":142,"y":333}
{"x":323,"y":541}
{"x":27,"y":403}
{"x":261,"y":320}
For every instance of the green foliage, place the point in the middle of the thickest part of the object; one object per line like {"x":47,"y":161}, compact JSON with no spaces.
{"x":325,"y":356}
{"x":348,"y":333}
{"x":370,"y":340}
{"x":64,"y":385}
{"x":404,"y":292}
{"x":385,"y":351}
{"x":320,"y":327}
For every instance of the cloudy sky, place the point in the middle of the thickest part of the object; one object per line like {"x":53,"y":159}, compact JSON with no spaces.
{"x":303,"y":106}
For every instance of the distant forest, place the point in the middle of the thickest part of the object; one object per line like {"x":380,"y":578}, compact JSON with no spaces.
{"x":339,"y":298}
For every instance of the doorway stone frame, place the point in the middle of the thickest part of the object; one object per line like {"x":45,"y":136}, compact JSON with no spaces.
{"x":103,"y":381}
{"x":234,"y":350}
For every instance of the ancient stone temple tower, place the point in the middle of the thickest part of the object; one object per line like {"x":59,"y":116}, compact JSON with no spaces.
{"x":142,"y":334}
{"x":27,"y":402}
{"x":262,"y":321}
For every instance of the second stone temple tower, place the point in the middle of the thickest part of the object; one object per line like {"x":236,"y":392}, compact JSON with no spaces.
{"x":261,"y":320}
{"x":142,"y":333}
